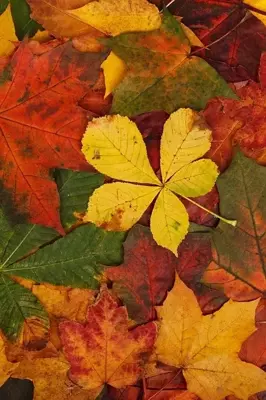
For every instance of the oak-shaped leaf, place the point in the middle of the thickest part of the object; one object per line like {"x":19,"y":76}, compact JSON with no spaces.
{"x":238,"y":264}
{"x":239,"y":123}
{"x":115,"y":147}
{"x":103,"y":351}
{"x":161,"y":74}
{"x":41,"y":123}
{"x":206,"y":347}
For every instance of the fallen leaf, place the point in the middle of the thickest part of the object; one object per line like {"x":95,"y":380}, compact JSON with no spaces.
{"x":238,"y":262}
{"x":114,"y":71}
{"x":24,"y":25}
{"x":206,"y":347}
{"x":112,"y":141}
{"x":87,"y":21}
{"x":41,"y":123}
{"x":6,"y":367}
{"x":233,"y":39}
{"x":258,"y":5}
{"x":49,"y":376}
{"x":7,"y":33}
{"x":74,"y":188}
{"x":103,"y":351}
{"x":87,"y":249}
{"x":17,"y":303}
{"x":238,"y":123}
{"x":145,"y":276}
{"x":161,"y":74}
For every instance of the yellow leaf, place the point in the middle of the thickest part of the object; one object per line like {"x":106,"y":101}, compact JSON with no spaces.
{"x":206,"y":347}
{"x":114,"y":70}
{"x":6,"y":367}
{"x":118,"y":206}
{"x":114,"y":146}
{"x":195,"y":179}
{"x":185,"y":138}
{"x":7,"y":33}
{"x":192,"y":37}
{"x":259,"y":5}
{"x":113,"y":17}
{"x":169,"y":221}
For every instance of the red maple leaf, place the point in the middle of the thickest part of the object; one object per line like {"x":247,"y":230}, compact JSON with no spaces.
{"x":41,"y":124}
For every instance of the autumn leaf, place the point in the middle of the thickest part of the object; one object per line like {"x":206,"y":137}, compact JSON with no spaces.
{"x":16,"y":302}
{"x":161,"y":73}
{"x":87,"y":21}
{"x":110,"y":142}
{"x":206,"y":347}
{"x":74,"y":188}
{"x":49,"y":376}
{"x":145,"y":276}
{"x":6,"y":367}
{"x":239,"y":123}
{"x":238,"y":262}
{"x":233,"y":38}
{"x":87,"y":249}
{"x":103,"y":350}
{"x":24,"y":25}
{"x":7,"y":33}
{"x":41,"y":123}
{"x":258,"y":9}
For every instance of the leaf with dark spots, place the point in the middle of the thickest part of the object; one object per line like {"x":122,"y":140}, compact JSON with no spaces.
{"x":39,"y":115}
{"x":239,"y":123}
{"x":146,"y":275}
{"x":237,"y":55}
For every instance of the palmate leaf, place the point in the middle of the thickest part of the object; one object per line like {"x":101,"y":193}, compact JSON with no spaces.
{"x":114,"y":146}
{"x":74,"y":187}
{"x":16,"y":302}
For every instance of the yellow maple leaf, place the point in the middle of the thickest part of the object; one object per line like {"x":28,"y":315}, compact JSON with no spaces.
{"x":114,"y":146}
{"x":260,"y":5}
{"x":206,"y":347}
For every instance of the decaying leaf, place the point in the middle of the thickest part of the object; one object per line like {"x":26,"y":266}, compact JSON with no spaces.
{"x":41,"y":123}
{"x":114,"y":146}
{"x":161,"y":74}
{"x":6,"y":367}
{"x":206,"y":347}
{"x":103,"y":350}
{"x":239,"y":123}
{"x":145,"y":276}
{"x":238,"y":262}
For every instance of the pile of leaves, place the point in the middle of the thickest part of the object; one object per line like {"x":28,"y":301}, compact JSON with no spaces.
{"x":133,"y":199}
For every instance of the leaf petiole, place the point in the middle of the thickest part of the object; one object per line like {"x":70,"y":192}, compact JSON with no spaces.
{"x":227,"y":221}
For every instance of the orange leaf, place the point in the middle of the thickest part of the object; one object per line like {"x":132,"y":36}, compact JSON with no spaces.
{"x":103,"y":350}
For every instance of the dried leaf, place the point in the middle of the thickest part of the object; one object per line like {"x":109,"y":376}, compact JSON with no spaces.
{"x":103,"y":350}
{"x":206,"y":347}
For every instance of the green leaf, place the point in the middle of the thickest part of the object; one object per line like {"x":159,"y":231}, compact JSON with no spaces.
{"x":3,"y":5}
{"x":24,"y":25}
{"x":161,"y":73}
{"x":75,"y":260}
{"x":16,"y":302}
{"x":74,"y":189}
{"x":239,"y":257}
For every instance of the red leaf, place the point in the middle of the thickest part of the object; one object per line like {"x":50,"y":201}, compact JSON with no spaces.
{"x":145,"y":277}
{"x":104,"y":351}
{"x":239,"y":123}
{"x":194,"y":254}
{"x":41,"y":123}
{"x":236,"y":57}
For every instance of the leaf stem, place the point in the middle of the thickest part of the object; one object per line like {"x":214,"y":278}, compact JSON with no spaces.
{"x":227,"y":221}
